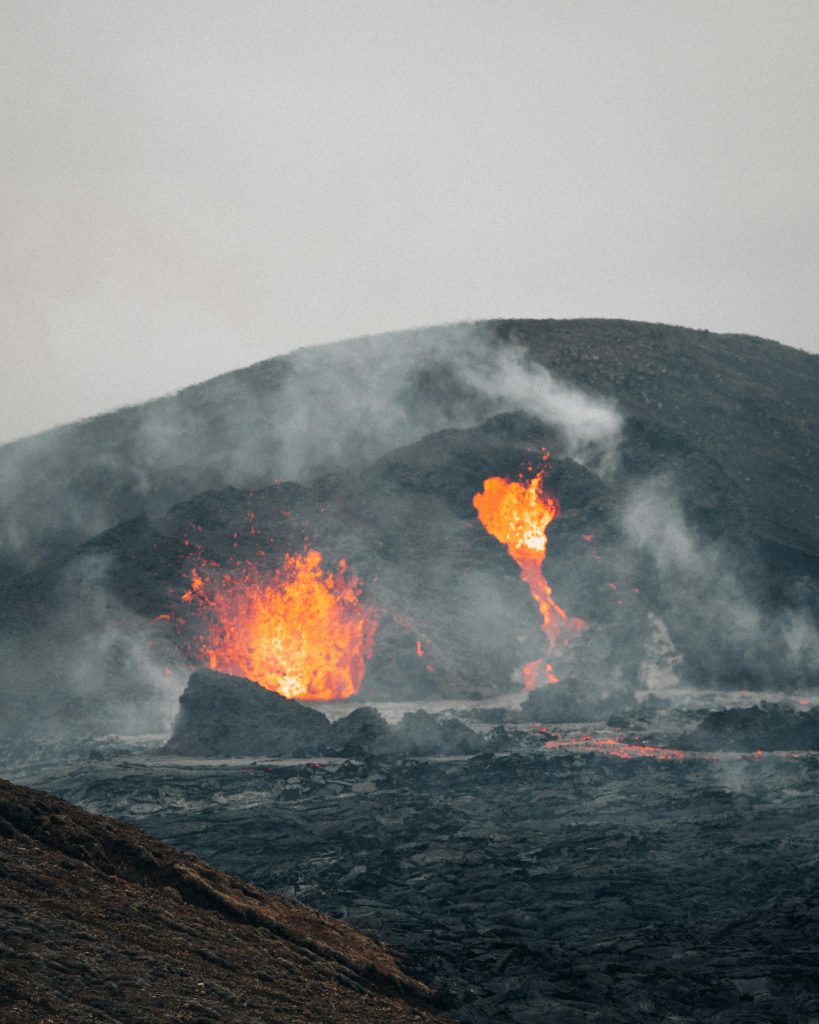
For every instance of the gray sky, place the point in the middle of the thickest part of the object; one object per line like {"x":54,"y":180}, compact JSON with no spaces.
{"x":189,"y":187}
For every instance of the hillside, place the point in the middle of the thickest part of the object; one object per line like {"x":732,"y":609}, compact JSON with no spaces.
{"x":101,"y":922}
{"x":747,"y":403}
{"x":750,"y":404}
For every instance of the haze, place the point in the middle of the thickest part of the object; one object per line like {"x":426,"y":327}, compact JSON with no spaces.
{"x":192,"y":187}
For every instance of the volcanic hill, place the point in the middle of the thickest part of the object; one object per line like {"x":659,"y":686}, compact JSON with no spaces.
{"x":747,"y":403}
{"x":101,"y":922}
{"x":682,"y":472}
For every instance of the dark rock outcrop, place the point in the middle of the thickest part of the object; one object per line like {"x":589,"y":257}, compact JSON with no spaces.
{"x":765,"y":726}
{"x":359,"y":733}
{"x":227,"y":716}
{"x":420,"y":734}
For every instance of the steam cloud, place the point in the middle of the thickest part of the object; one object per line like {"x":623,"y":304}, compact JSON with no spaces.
{"x":318,"y":410}
{"x":704,"y":594}
{"x":93,"y":666}
{"x":298,"y":417}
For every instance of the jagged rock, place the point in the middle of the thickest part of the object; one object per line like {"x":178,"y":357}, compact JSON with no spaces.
{"x":573,"y":701}
{"x":765,"y":726}
{"x":228,"y":716}
{"x":530,"y":884}
{"x":358,"y":733}
{"x":421,"y":734}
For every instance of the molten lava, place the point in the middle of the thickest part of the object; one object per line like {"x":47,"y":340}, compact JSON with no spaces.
{"x":616,"y":747}
{"x":301,"y":631}
{"x":517,"y":512}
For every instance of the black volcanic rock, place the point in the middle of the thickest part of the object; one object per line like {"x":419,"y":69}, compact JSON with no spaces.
{"x":420,"y":734}
{"x":572,"y":700}
{"x":228,"y":716}
{"x":359,"y":733}
{"x":535,"y":884}
{"x":765,"y":726}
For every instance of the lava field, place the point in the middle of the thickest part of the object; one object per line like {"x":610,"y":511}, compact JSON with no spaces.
{"x":558,"y":876}
{"x":552,"y":592}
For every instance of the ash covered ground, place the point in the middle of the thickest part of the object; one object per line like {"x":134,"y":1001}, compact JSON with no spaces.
{"x":567,"y":872}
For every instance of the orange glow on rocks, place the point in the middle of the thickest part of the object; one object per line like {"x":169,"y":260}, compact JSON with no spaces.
{"x":301,"y":631}
{"x":516,"y":513}
{"x":616,"y":747}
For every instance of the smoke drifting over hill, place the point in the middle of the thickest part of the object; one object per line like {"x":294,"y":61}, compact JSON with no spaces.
{"x":705,"y":588}
{"x":385,"y":442}
{"x":317,"y":411}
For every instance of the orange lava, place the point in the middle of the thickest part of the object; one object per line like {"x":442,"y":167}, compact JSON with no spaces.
{"x":516,"y":513}
{"x":617,"y":748}
{"x":300,"y":631}
{"x":538,"y":673}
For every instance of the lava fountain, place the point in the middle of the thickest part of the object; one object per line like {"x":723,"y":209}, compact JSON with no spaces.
{"x":516,"y":513}
{"x":301,"y":631}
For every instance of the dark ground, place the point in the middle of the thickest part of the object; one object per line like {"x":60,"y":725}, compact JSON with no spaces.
{"x":565,"y":884}
{"x":100,"y":922}
{"x":532,"y":884}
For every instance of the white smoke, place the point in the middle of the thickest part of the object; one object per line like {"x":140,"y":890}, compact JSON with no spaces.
{"x":702,"y":588}
{"x":318,"y":410}
{"x":94,"y":666}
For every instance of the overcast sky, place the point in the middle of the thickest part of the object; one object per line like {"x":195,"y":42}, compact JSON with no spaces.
{"x":189,"y":187}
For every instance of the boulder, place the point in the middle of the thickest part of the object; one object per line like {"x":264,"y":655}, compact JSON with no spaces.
{"x":765,"y":726}
{"x":420,"y":734}
{"x":228,"y":716}
{"x":358,"y":734}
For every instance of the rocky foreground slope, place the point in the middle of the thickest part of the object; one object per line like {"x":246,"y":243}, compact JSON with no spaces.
{"x":584,"y":875}
{"x":101,"y":922}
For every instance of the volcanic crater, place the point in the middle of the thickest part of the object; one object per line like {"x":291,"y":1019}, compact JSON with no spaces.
{"x":517,"y":674}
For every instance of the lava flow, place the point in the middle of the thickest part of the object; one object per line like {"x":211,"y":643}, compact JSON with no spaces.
{"x":517,"y":512}
{"x":615,"y":746}
{"x":301,"y":631}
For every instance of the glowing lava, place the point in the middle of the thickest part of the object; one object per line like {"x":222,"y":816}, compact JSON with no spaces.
{"x":616,"y":747}
{"x":301,"y":631}
{"x":517,"y":512}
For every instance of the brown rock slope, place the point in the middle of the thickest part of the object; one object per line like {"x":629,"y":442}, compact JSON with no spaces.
{"x":101,"y":922}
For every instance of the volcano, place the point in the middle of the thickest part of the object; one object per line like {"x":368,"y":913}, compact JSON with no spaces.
{"x":377,"y":572}
{"x":498,"y":640}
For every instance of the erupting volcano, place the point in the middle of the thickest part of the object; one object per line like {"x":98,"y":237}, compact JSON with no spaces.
{"x":302,"y":631}
{"x":516,"y":513}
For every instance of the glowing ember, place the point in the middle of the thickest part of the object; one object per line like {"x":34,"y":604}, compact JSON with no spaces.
{"x":616,"y":748}
{"x":301,"y":632}
{"x":538,"y":673}
{"x":517,"y":513}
